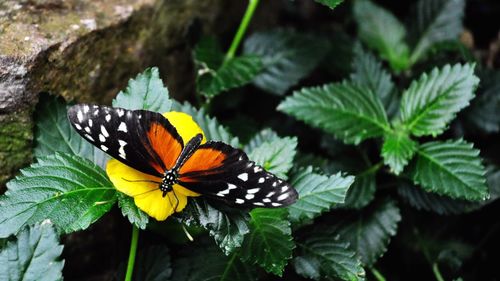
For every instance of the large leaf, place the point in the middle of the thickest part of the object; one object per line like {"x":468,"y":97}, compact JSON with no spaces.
{"x":270,"y":241}
{"x":153,"y":264}
{"x":435,"y":21}
{"x":146,"y":91}
{"x":330,"y":3}
{"x":317,"y":194}
{"x":33,"y":255}
{"x":361,"y":192}
{"x":451,"y":168}
{"x":265,"y":135}
{"x":484,"y":110}
{"x":276,"y":155}
{"x":397,"y":150}
{"x":206,"y":263}
{"x":131,"y":211}
{"x":226,"y":227}
{"x":68,"y":190}
{"x":287,"y":56}
{"x":323,"y":256}
{"x":382,"y":31}
{"x":350,"y":112}
{"x":212,"y":129}
{"x":433,"y":100}
{"x":370,"y":231}
{"x":52,"y":124}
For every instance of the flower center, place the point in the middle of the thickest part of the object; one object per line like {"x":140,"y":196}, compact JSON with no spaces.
{"x":169,"y":179}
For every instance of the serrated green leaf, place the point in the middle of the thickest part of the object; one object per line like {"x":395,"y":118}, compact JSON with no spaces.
{"x":329,"y":257}
{"x":227,"y":227}
{"x":317,"y":194}
{"x":484,"y":110}
{"x":330,"y":3}
{"x":208,"y":54}
{"x":348,"y":111}
{"x":270,"y":241}
{"x":146,"y":91}
{"x":52,"y":124}
{"x":33,"y":255}
{"x":432,"y":101}
{"x":397,"y":150}
{"x":194,"y":267}
{"x":451,"y":168}
{"x":370,"y":231}
{"x":153,"y":264}
{"x":276,"y":156}
{"x":212,"y":129}
{"x":287,"y":56}
{"x":361,"y":192}
{"x":233,"y":73}
{"x":369,"y":72}
{"x":435,"y":21}
{"x":266,"y":135}
{"x":382,"y":31}
{"x":131,"y":212}
{"x":68,"y":190}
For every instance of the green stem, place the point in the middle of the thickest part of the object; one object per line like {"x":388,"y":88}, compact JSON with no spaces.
{"x":371,"y":169}
{"x":252,"y":5}
{"x":133,"y":250}
{"x":437,"y":273}
{"x":377,"y":274}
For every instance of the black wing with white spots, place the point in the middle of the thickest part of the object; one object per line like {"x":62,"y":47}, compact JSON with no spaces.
{"x":225,"y":173}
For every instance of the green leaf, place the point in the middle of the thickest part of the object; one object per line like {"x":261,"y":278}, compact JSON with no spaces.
{"x":330,"y":3}
{"x":287,"y":56}
{"x":227,"y":226}
{"x":153,"y":264}
{"x":233,"y":73}
{"x":435,"y":21}
{"x":212,"y":129}
{"x":130,"y":211}
{"x":484,"y":110}
{"x":194,"y":267}
{"x":270,"y":241}
{"x":451,"y":168}
{"x":276,"y":155}
{"x":382,"y":31}
{"x":68,"y":190}
{"x":397,"y":150}
{"x":33,"y":255}
{"x":326,"y":256}
{"x":369,"y":232}
{"x":433,"y":100}
{"x":317,"y":194}
{"x":266,"y":135}
{"x":208,"y":54}
{"x":361,"y":192}
{"x":369,"y":72}
{"x":350,"y":112}
{"x":146,"y":91}
{"x":52,"y":124}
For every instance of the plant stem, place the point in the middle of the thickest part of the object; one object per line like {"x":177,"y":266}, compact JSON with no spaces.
{"x":252,"y":5}
{"x":371,"y":169}
{"x":437,"y":273}
{"x":133,"y":250}
{"x":377,"y":274}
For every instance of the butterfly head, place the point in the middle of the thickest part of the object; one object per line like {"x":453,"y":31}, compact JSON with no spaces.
{"x":170,"y":178}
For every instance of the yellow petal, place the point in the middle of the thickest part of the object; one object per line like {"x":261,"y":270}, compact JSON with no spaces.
{"x":159,"y":207}
{"x":185,"y":125}
{"x":130,"y":181}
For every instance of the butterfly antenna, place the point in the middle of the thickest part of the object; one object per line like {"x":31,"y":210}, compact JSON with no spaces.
{"x":188,"y":235}
{"x":151,"y":181}
{"x":176,"y":199}
{"x":139,"y":194}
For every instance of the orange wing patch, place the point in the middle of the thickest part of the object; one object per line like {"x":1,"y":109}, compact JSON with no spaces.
{"x":203,"y":160}
{"x":165,"y":145}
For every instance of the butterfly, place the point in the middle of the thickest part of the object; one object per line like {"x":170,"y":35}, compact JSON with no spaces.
{"x":146,"y":141}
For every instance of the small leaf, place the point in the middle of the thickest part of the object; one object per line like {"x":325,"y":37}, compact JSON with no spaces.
{"x":382,"y":31}
{"x":276,"y":155}
{"x":432,"y":101}
{"x":226,"y":227}
{"x":317,"y":194}
{"x":450,"y":168}
{"x":370,"y":231}
{"x":33,"y":255}
{"x":330,"y":3}
{"x":208,"y":54}
{"x":146,"y":91}
{"x":68,"y":190}
{"x":270,"y":241}
{"x":435,"y":21}
{"x":350,"y":112}
{"x":266,"y":135}
{"x":329,"y":257}
{"x":287,"y":56}
{"x":212,"y":129}
{"x":361,"y":192}
{"x":397,"y":150}
{"x":130,"y":210}
{"x":52,"y":124}
{"x":484,"y":109}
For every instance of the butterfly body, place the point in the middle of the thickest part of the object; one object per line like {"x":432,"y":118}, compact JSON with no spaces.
{"x":147,"y":142}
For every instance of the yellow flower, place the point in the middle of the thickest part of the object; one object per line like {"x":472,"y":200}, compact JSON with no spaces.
{"x":147,"y":195}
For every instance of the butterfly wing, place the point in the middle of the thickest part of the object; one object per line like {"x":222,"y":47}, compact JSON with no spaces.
{"x":141,"y":139}
{"x":222,"y":172}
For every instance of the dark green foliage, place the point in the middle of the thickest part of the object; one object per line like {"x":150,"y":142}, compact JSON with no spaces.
{"x":130,"y":210}
{"x":330,"y":3}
